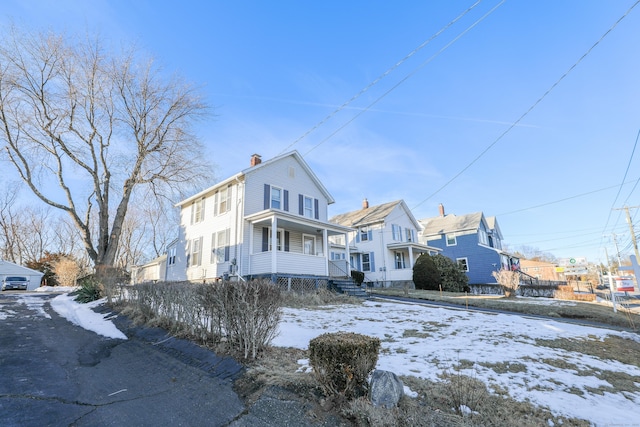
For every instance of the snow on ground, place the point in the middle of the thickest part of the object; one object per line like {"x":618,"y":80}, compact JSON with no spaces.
{"x":424,"y":341}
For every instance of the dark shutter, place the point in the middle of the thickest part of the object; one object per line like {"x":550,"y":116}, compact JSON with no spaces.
{"x":265,"y":239}
{"x":300,"y":204}
{"x":371,"y":262}
{"x":267,"y":196}
{"x":226,"y":253}
{"x":286,"y":200}
{"x":317,"y":211}
{"x":286,"y":241}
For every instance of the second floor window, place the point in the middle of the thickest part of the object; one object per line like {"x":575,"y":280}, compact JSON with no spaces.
{"x":451,"y":240}
{"x":197,"y":211}
{"x":196,"y":252}
{"x":276,"y":198}
{"x":365,"y":234}
{"x":308,"y":207}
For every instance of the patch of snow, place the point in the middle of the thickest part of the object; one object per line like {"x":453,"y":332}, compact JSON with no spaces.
{"x":83,"y":316}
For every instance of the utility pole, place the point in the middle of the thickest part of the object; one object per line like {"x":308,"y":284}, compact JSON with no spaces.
{"x":633,"y":234}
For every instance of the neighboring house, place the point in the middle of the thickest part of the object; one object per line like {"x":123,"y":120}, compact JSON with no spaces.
{"x":541,"y":270}
{"x":384,"y":244}
{"x":270,"y":220}
{"x":9,"y":269}
{"x":472,"y":240}
{"x":153,"y":271}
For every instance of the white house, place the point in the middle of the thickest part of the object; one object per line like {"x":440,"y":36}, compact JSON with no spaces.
{"x":227,"y":230}
{"x":384,"y":244}
{"x":8,"y":269}
{"x":153,"y":271}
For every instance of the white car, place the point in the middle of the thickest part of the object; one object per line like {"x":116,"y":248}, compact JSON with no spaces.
{"x":15,"y":282}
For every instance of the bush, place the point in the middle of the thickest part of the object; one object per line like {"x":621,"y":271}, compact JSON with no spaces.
{"x":453,"y":278}
{"x":342,"y":362}
{"x":358,"y":276}
{"x":508,"y":280}
{"x":425,"y":273}
{"x":90,"y":290}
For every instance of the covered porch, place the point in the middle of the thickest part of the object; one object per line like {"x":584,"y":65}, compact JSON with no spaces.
{"x":281,"y":243}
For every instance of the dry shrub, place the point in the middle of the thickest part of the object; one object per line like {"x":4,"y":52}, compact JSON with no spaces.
{"x":67,"y":271}
{"x":342,"y":362}
{"x":508,"y":280}
{"x":465,"y":393}
{"x":244,"y":315}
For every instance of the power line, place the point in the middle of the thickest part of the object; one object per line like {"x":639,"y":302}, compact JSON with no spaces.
{"x":383,"y":75}
{"x":533,"y":106}
{"x":563,"y":200}
{"x":368,"y":107}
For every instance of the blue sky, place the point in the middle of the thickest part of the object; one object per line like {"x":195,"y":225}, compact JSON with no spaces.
{"x":451,"y":124}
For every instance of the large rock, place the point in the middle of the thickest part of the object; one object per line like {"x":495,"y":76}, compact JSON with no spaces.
{"x":386,"y":388}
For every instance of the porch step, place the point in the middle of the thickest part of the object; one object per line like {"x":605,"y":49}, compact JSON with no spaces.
{"x":348,"y":286}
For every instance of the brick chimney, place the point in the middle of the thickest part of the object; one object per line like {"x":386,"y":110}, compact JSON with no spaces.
{"x":441,"y":209}
{"x":255,"y":159}
{"x":365,"y":204}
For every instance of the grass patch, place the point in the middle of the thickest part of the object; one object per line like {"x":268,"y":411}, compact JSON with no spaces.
{"x":588,"y":311}
{"x":504,"y":367}
{"x":611,"y":347}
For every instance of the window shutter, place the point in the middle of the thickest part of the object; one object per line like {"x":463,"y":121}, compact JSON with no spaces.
{"x":316,"y":209}
{"x":193,"y":208}
{"x":267,"y":196}
{"x":370,"y":235}
{"x":413,"y":235}
{"x":400,"y":234}
{"x":228,"y":199}
{"x":371,"y":262}
{"x":226,"y":248}
{"x":188,"y":252}
{"x":286,"y":241}
{"x":286,"y":200}
{"x":202,"y":209}
{"x":265,"y":239}
{"x":300,"y":204}
{"x":358,"y":236}
{"x":215,"y":204}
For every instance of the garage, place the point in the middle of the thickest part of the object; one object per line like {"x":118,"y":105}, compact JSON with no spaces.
{"x":9,"y":269}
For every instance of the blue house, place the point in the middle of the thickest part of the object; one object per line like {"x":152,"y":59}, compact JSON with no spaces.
{"x":473,"y":241}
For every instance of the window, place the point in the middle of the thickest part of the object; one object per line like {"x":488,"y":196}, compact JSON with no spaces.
{"x":224,"y":200}
{"x":366,"y":262}
{"x":197,"y":211}
{"x":171,"y":256}
{"x":463,"y":263}
{"x":309,"y":245}
{"x":278,"y":238}
{"x":451,"y":240}
{"x":196,"y":252}
{"x":220,"y":243}
{"x":396,"y":232}
{"x":399,"y":258}
{"x":308,"y":207}
{"x":411,"y":235}
{"x":365,"y":234}
{"x":482,"y":237}
{"x":276,"y":198}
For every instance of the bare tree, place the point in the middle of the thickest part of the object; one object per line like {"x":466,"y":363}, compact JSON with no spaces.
{"x":9,"y":242}
{"x":100,"y":126}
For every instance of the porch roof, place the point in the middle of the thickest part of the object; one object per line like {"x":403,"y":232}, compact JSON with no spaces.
{"x":294,"y":222}
{"x":415,"y":247}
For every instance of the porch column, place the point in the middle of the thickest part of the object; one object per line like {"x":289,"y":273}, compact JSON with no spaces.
{"x":347,"y":254}
{"x":325,"y":249}
{"x":411,"y":256}
{"x":274,"y":245}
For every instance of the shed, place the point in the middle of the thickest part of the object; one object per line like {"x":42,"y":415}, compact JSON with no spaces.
{"x":10,"y":269}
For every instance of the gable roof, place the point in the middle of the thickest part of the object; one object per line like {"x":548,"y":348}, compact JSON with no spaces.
{"x":8,"y":268}
{"x":451,"y":223}
{"x":371,"y":215}
{"x":241,"y":175}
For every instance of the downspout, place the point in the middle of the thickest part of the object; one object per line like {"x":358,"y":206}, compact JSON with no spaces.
{"x":240,"y":228}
